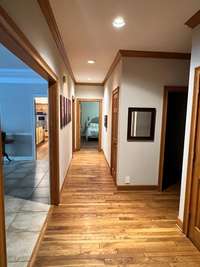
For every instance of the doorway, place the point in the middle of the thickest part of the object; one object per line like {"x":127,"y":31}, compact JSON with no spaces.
{"x":114,"y":133}
{"x":89,"y":123}
{"x":172,"y":145}
{"x":191,"y":222}
{"x":16,"y":42}
{"x":41,"y":128}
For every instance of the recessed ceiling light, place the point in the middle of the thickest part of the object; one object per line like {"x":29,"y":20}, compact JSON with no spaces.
{"x":91,"y":61}
{"x":119,"y":22}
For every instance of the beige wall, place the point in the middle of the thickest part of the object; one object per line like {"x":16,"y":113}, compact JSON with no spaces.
{"x":142,"y":85}
{"x":85,"y":91}
{"x":28,"y":16}
{"x":195,"y":62}
{"x":112,"y":83}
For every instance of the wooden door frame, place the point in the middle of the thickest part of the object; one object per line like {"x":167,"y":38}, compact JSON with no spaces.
{"x":167,"y":90}
{"x":14,"y":40}
{"x":191,"y":155}
{"x":73,"y":125}
{"x":78,"y":137}
{"x":113,"y":92}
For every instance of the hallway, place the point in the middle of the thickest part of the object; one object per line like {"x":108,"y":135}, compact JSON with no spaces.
{"x":96,"y":225}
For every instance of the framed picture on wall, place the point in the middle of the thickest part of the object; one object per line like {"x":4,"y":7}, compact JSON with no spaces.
{"x":106,"y":121}
{"x":61,"y":112}
{"x":69,"y":110}
{"x":66,"y":110}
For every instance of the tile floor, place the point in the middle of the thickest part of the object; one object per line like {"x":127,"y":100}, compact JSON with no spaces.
{"x":26,"y":205}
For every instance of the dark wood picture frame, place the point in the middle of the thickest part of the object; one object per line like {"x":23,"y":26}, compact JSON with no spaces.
{"x":131,"y":138}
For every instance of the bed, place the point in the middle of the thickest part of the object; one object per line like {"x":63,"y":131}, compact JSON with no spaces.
{"x":92,"y":129}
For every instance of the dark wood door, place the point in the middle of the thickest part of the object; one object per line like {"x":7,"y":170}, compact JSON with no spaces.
{"x":194,"y":217}
{"x":114,"y":135}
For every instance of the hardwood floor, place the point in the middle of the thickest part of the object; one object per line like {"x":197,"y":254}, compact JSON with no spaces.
{"x":43,"y":151}
{"x":96,"y":225}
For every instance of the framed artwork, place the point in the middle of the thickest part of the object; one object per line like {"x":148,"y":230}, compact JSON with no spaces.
{"x":141,"y":124}
{"x":66,"y":111}
{"x":69,"y":110}
{"x":106,"y":121}
{"x":61,"y":121}
{"x":62,"y":111}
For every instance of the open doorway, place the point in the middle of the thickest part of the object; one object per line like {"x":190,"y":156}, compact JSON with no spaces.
{"x":172,"y":145}
{"x":26,"y":179}
{"x":89,"y":113}
{"x":41,"y":128}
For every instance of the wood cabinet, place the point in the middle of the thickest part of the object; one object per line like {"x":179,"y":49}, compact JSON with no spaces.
{"x":40,"y":135}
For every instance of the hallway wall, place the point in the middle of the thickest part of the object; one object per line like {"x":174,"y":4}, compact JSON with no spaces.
{"x":142,"y":85}
{"x":29,"y":18}
{"x":91,"y":91}
{"x":111,"y":84}
{"x":141,"y":82}
{"x":195,"y":62}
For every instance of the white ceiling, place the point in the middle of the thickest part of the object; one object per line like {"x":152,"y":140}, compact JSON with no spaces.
{"x":87,"y":32}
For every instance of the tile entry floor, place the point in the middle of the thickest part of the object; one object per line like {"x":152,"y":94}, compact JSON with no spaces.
{"x":26,"y":205}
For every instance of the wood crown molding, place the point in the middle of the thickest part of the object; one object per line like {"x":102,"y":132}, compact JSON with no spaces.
{"x":51,"y":21}
{"x":194,"y":20}
{"x":89,"y":84}
{"x":146,"y":54}
{"x":11,"y":36}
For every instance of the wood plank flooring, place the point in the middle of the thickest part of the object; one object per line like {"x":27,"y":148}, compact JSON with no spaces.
{"x":96,"y":225}
{"x":43,"y":151}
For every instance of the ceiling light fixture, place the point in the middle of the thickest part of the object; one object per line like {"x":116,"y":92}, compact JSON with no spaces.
{"x":119,"y":22}
{"x":91,"y":61}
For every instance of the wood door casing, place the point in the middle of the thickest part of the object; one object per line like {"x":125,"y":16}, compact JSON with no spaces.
{"x":194,"y":215}
{"x":3,"y":256}
{"x":78,"y":121}
{"x":73,"y":125}
{"x":114,"y":133}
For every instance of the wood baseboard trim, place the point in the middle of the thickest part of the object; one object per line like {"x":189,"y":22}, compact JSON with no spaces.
{"x":105,"y":158}
{"x":179,"y":224}
{"x":137,"y":187}
{"x":65,"y":180}
{"x":39,"y":240}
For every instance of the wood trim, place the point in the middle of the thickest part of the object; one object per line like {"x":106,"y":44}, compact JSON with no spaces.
{"x":40,"y":239}
{"x":78,"y":137}
{"x":111,"y":157}
{"x":106,"y":159}
{"x":73,"y":125}
{"x":147,"y":54}
{"x":14,"y":39}
{"x":65,"y":180}
{"x":54,"y":143}
{"x":112,"y":67}
{"x":194,"y":20}
{"x":3,"y":253}
{"x":137,"y":187}
{"x":51,"y":21}
{"x":89,"y":84}
{"x":167,"y":89}
{"x":155,"y":54}
{"x":191,"y":150}
{"x":179,"y":224}
{"x":78,"y":144}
